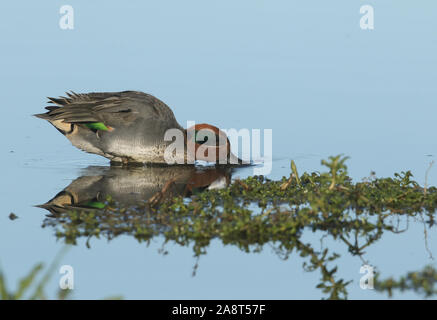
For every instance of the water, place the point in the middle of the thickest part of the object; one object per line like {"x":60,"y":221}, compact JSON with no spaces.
{"x":305,"y":70}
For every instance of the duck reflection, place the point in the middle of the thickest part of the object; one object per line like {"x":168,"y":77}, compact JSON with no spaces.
{"x":135,"y":186}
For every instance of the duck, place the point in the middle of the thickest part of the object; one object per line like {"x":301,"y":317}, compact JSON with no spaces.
{"x":129,"y":127}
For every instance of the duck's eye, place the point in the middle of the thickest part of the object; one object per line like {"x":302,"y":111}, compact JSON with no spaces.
{"x":206,"y":137}
{"x":201,"y":140}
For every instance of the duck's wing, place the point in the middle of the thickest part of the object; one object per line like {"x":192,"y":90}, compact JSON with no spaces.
{"x":102,"y":110}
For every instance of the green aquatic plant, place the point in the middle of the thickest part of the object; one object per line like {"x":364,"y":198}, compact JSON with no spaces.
{"x":256,"y":211}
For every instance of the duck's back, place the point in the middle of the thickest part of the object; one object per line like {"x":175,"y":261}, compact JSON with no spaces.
{"x":118,"y":125}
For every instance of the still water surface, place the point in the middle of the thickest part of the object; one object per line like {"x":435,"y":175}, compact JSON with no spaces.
{"x":305,"y":70}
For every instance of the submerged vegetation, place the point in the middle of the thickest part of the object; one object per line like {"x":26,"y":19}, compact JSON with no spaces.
{"x":256,"y":211}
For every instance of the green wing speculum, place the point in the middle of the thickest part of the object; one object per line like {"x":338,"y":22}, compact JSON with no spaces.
{"x":96,"y":126}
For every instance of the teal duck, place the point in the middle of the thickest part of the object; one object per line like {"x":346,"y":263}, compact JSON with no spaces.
{"x":129,"y":127}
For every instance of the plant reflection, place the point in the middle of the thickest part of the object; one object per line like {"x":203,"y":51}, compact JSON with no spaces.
{"x":250,"y":213}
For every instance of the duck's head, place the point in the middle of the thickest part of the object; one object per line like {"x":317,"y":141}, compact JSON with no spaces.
{"x":210,"y":144}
